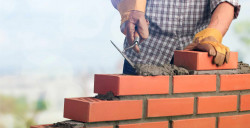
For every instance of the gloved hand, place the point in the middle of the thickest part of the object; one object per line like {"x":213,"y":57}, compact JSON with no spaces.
{"x":209,"y":40}
{"x":136,"y":25}
{"x":133,"y":22}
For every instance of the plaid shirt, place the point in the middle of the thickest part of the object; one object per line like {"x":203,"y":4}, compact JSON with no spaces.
{"x":173,"y":24}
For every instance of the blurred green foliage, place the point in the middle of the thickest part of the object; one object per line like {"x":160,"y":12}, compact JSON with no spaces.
{"x":242,"y":29}
{"x":24,"y":113}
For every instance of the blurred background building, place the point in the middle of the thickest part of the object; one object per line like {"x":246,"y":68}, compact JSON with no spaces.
{"x":51,"y":49}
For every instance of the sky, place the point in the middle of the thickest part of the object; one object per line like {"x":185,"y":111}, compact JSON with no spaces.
{"x":56,"y":35}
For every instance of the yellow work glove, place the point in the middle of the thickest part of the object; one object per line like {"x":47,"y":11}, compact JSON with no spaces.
{"x":209,"y":40}
{"x":133,"y":22}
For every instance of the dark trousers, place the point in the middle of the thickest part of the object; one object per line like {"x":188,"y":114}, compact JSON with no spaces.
{"x":129,"y":70}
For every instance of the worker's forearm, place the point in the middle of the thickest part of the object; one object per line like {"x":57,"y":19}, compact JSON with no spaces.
{"x":222,"y":17}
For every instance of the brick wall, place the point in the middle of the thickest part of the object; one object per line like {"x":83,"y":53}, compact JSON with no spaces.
{"x":184,"y":101}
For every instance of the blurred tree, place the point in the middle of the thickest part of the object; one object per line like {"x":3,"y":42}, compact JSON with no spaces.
{"x":23,"y":113}
{"x":242,"y":30}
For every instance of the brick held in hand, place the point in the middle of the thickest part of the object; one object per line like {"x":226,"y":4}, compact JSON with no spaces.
{"x":195,"y":60}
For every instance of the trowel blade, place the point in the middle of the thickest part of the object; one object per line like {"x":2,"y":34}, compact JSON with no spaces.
{"x":129,"y":61}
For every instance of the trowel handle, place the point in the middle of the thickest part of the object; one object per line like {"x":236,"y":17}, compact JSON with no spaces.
{"x":137,"y":38}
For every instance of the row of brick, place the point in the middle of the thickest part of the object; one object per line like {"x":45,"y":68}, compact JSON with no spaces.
{"x":141,"y":85}
{"x":235,"y":121}
{"x":95,"y":110}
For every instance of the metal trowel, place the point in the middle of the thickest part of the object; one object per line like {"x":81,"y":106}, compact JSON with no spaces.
{"x":122,"y":53}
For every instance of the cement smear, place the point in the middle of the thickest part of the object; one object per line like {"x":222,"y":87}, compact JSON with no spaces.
{"x":243,"y":68}
{"x":168,"y":69}
{"x":68,"y":124}
{"x":108,"y":96}
{"x":153,"y":70}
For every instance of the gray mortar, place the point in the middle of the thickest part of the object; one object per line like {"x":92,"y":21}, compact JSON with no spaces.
{"x":108,"y":96}
{"x":68,"y":124}
{"x":153,"y":70}
{"x":168,"y":69}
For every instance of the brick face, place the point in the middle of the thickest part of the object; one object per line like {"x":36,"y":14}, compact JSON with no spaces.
{"x":194,"y":83}
{"x":170,"y":107}
{"x":163,"y":124}
{"x":236,"y":121}
{"x":195,"y":123}
{"x":194,"y":60}
{"x":234,"y":82}
{"x":95,"y":110}
{"x":102,"y":127}
{"x":216,"y":104}
{"x":245,"y":103}
{"x":131,"y":85}
{"x":50,"y":126}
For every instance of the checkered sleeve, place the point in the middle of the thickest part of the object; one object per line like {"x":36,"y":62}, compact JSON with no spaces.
{"x":235,"y":3}
{"x":115,"y":3}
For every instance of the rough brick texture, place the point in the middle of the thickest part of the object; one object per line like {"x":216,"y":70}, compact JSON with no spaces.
{"x":245,"y":103}
{"x":94,"y":110}
{"x":170,"y":107}
{"x":194,"y":83}
{"x":194,"y":60}
{"x":236,"y":121}
{"x":216,"y":104}
{"x":195,"y":123}
{"x":235,"y":82}
{"x":51,"y":126}
{"x":100,"y":127}
{"x":131,"y":85}
{"x":163,"y":124}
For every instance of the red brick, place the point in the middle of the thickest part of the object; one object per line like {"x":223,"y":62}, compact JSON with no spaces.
{"x":195,"y":60}
{"x":41,"y":126}
{"x":163,"y":124}
{"x":194,"y":83}
{"x":245,"y":102}
{"x":131,"y":85}
{"x":234,"y":82}
{"x":102,"y":127}
{"x":48,"y":126}
{"x":195,"y":123}
{"x":237,"y":121}
{"x":217,"y":104}
{"x":95,"y":110}
{"x":170,"y":107}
